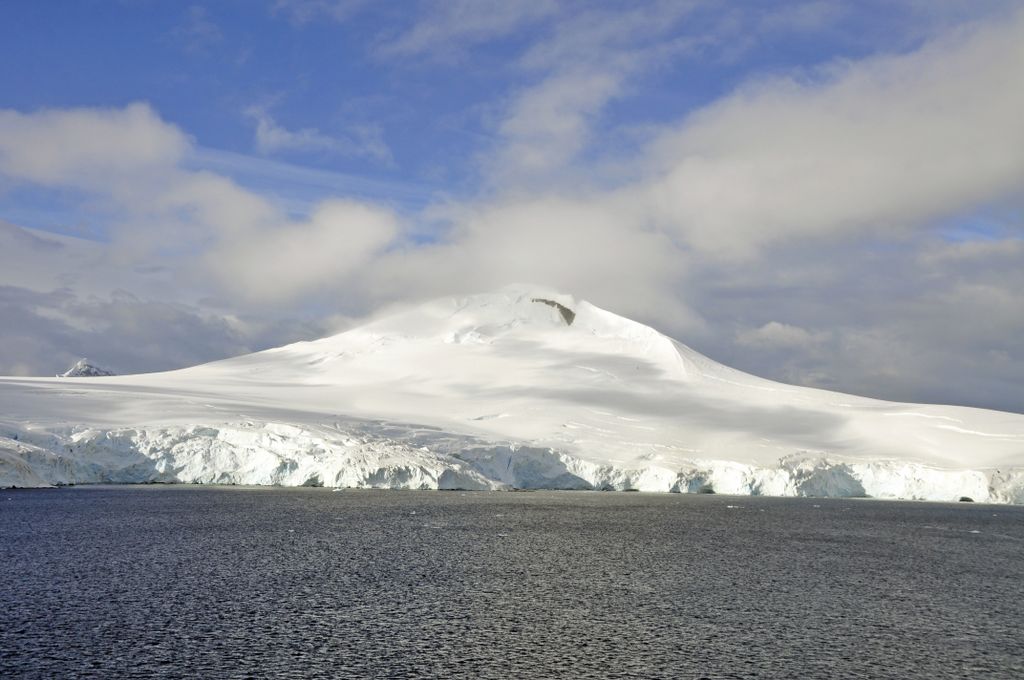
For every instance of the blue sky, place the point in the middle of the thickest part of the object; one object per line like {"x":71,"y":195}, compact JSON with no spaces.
{"x":818,"y":191}
{"x":361,"y":97}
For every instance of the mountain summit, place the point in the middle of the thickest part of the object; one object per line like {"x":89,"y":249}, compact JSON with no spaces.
{"x":83,"y":368}
{"x":524,"y":387}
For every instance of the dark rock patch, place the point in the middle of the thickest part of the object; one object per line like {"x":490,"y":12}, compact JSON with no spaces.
{"x":567,"y":314}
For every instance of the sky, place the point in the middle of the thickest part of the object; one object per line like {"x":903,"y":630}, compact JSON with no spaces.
{"x":825,"y":193}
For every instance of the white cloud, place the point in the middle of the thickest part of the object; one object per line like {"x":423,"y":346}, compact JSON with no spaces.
{"x":196,"y":222}
{"x":549,"y":125}
{"x":279,"y":262}
{"x":87,"y":147}
{"x":870,"y":147}
{"x":301,"y":12}
{"x":776,"y":335}
{"x":591,"y":249}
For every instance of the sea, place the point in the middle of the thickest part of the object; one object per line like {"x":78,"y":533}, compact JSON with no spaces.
{"x":242,"y":582}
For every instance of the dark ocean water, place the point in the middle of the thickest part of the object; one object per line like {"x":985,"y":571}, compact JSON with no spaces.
{"x":116,"y":582}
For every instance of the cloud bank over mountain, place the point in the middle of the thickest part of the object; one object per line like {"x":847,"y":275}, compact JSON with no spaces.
{"x":852,"y":223}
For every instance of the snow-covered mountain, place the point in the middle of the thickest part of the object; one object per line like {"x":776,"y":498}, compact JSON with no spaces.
{"x":519,"y":388}
{"x":83,"y":368}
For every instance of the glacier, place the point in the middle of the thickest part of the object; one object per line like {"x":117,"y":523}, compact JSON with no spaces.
{"x":522,"y":388}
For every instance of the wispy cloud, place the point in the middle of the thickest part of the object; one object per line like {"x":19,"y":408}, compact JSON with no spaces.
{"x":300,"y":12}
{"x":610,"y":38}
{"x":302,"y":187}
{"x":361,"y":141}
{"x":446,"y":28}
{"x":197,"y":32}
{"x":581,"y":66}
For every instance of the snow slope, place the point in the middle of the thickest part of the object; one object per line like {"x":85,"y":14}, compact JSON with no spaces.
{"x":519,"y":388}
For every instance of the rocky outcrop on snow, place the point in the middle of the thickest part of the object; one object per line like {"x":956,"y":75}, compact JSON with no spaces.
{"x":83,"y":368}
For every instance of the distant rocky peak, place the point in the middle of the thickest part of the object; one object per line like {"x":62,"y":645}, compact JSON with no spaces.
{"x":83,"y":368}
